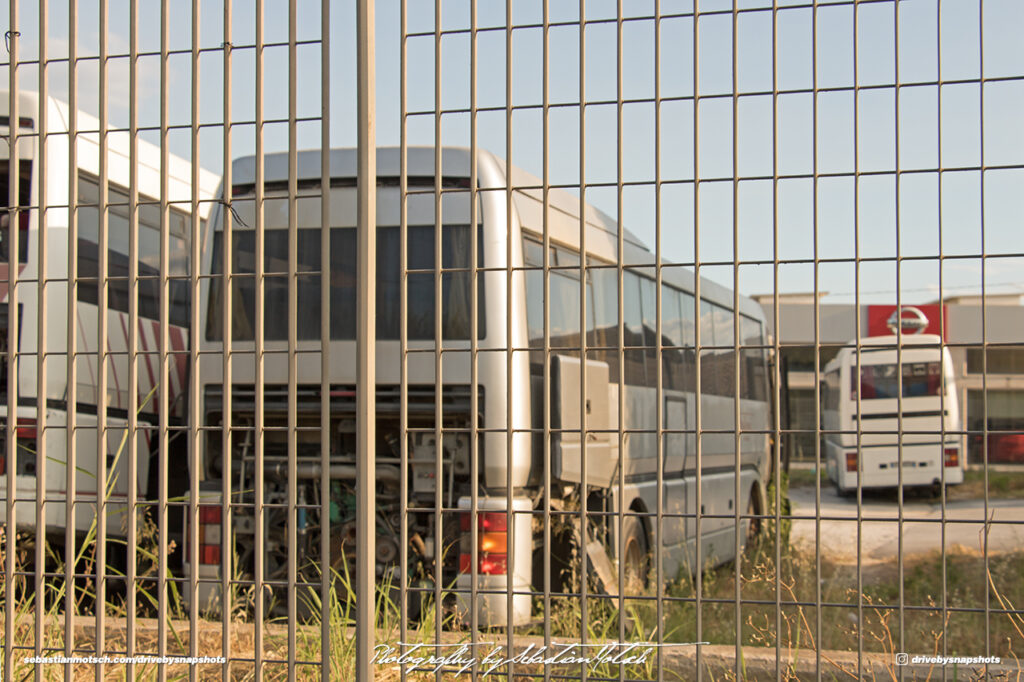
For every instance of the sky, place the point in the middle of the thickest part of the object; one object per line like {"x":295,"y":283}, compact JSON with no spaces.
{"x":956,"y":126}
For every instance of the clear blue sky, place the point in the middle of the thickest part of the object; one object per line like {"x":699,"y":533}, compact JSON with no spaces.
{"x":969,"y":224}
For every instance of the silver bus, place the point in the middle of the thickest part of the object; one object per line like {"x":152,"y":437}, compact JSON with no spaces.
{"x":620,"y":434}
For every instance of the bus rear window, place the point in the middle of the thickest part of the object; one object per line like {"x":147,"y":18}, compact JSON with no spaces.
{"x":920,"y":379}
{"x":456,"y":278}
{"x":24,"y":200}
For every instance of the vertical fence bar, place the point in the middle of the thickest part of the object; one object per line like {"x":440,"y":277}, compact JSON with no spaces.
{"x":326,"y":575}
{"x":71,"y":470}
{"x":736,"y":415}
{"x":776,"y":365}
{"x":366,"y":304}
{"x":900,"y":545}
{"x":943,"y":406}
{"x":509,"y":353}
{"x":857,"y":341}
{"x":403,"y":323}
{"x":984,"y":319}
{"x":102,"y":352}
{"x":474,"y":327}
{"x":546,"y":316}
{"x":293,"y":337}
{"x":133,"y":343}
{"x":191,"y":392}
{"x":619,"y":154}
{"x":163,"y":403}
{"x":258,"y":357}
{"x":659,"y":576}
{"x":227,"y":300}
{"x":475,"y":220}
{"x":10,"y":435}
{"x":42,"y":168}
{"x":585,"y":606}
{"x":438,"y":341}
{"x":817,"y":340}
{"x":698,"y":398}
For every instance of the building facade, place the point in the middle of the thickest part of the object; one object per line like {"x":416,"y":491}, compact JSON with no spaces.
{"x":986,"y":343}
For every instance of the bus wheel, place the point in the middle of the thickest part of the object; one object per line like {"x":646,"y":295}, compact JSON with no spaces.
{"x":635,"y":553}
{"x":753,"y":510}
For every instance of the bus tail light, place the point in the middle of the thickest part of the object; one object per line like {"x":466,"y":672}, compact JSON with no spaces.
{"x":492,"y":543}
{"x":25,"y":435}
{"x":209,"y":535}
{"x":851,"y":461}
{"x":952,"y":457}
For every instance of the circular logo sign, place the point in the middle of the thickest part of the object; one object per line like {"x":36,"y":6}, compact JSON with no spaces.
{"x":908,"y":318}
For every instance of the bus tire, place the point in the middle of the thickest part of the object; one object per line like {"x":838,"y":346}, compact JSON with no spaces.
{"x":635,"y":552}
{"x":754,"y":510}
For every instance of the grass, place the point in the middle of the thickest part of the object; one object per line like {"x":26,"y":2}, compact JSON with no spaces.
{"x":1001,"y":484}
{"x":798,"y":581}
{"x":846,"y":617}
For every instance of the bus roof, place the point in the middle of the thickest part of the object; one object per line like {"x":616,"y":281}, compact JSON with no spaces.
{"x":564,"y":207}
{"x":148,"y":155}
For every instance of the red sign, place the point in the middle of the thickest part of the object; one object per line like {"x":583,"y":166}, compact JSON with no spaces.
{"x":883,"y":320}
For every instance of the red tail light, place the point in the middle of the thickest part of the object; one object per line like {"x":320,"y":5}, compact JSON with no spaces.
{"x":851,"y":461}
{"x":492,"y":543}
{"x":209,"y":535}
{"x":494,"y":564}
{"x":26,"y":429}
{"x":952,"y":457}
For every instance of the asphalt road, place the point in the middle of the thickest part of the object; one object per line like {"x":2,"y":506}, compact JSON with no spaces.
{"x":922,"y":528}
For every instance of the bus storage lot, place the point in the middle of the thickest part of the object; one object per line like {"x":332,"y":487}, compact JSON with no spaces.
{"x":922,"y":529}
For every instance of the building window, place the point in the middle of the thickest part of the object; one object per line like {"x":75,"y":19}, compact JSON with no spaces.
{"x":1001,"y":360}
{"x":1002,"y":424}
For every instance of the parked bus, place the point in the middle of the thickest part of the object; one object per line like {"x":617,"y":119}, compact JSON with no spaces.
{"x":907,"y":417}
{"x":56,"y":180}
{"x":509,"y":391}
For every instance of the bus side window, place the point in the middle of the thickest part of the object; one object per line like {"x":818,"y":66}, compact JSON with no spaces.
{"x":688,"y":317}
{"x":648,"y":291}
{"x":752,"y":360}
{"x":604,"y":283}
{"x":672,"y":331}
{"x":633,"y":331}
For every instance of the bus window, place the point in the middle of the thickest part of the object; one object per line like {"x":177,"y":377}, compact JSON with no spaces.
{"x":633,"y":332}
{"x":754,"y":372}
{"x":672,"y":329}
{"x":880,"y":381}
{"x":455,"y":282}
{"x":24,"y":199}
{"x":604,"y":285}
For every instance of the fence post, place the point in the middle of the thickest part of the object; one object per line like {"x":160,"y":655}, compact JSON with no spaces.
{"x":365,"y":339}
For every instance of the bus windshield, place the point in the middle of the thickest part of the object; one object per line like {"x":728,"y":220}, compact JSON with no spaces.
{"x":880,"y":381}
{"x":456,"y":278}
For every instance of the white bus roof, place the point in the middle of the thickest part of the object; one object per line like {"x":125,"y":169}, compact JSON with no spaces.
{"x":455,"y":163}
{"x":179,"y":186}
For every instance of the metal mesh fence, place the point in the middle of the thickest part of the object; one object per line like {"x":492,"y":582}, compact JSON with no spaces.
{"x":531,"y":340}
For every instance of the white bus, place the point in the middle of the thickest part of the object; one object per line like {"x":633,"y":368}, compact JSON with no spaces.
{"x":509,"y":392}
{"x":908,"y":415}
{"x":53,"y":229}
